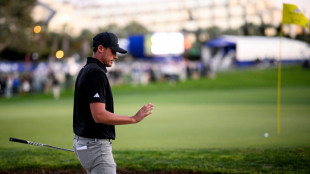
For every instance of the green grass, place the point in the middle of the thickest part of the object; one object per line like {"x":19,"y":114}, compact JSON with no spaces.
{"x":241,"y":160}
{"x":275,"y":160}
{"x":200,"y":125}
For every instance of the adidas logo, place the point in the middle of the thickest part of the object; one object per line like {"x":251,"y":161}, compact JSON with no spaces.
{"x":96,"y":95}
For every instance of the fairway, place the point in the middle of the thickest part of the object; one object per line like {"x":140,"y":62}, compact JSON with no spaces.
{"x":182,"y":119}
{"x":217,"y":119}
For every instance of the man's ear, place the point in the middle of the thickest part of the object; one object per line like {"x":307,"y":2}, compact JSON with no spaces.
{"x":100,"y":48}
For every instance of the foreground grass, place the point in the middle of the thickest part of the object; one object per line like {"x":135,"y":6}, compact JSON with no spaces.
{"x":248,"y":160}
{"x":282,"y":160}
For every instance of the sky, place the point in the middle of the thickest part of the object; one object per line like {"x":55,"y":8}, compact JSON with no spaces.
{"x":303,"y":5}
{"x":74,"y":15}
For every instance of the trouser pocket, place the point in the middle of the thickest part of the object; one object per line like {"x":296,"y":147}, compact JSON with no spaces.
{"x":84,"y":153}
{"x":95,"y":155}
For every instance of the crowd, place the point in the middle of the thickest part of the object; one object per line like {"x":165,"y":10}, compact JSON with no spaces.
{"x":13,"y":84}
{"x":52,"y":77}
{"x":45,"y":77}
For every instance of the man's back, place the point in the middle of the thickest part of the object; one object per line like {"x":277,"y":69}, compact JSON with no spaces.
{"x":92,"y":86}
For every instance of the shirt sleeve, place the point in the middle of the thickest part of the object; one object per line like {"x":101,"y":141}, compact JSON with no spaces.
{"x":96,"y":87}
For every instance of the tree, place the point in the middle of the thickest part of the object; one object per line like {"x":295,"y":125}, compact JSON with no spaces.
{"x":131,"y":28}
{"x":16,"y":26}
{"x":251,"y":29}
{"x":135,"y":28}
{"x":214,"y":32}
{"x":82,"y":44}
{"x":114,"y":28}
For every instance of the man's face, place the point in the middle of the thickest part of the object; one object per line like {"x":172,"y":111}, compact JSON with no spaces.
{"x":108,"y":56}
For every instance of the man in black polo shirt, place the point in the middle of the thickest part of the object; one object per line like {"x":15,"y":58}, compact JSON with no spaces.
{"x":93,"y":117}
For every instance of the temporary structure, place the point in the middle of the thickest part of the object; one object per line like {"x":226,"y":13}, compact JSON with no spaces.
{"x":250,"y":49}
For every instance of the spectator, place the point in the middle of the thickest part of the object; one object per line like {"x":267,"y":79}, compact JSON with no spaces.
{"x":16,"y":83}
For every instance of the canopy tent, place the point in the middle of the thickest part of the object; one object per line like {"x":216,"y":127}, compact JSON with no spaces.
{"x":251,"y":48}
{"x":221,"y":42}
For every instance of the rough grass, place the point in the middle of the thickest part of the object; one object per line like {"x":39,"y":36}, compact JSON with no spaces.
{"x":244,"y":160}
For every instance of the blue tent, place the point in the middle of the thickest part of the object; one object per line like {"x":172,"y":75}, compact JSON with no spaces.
{"x":136,"y":45}
{"x":220,"y":42}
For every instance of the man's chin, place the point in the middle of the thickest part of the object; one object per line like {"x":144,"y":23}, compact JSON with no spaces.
{"x":108,"y":65}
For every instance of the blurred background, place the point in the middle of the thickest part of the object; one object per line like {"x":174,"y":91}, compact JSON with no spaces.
{"x":44,"y":43}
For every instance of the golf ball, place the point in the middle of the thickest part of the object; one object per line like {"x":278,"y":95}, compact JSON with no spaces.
{"x":266,"y":135}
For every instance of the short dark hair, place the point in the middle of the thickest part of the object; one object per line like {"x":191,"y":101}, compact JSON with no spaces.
{"x":95,"y":49}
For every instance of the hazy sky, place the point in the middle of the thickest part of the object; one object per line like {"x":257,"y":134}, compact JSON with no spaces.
{"x":303,"y":5}
{"x":77,"y":18}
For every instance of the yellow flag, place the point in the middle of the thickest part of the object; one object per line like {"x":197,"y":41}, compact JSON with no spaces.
{"x":292,"y":15}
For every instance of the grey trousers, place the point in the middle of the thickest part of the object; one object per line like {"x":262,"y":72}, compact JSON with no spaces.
{"x":95,"y":155}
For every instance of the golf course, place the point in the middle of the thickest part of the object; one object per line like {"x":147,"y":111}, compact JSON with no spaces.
{"x":227,"y":124}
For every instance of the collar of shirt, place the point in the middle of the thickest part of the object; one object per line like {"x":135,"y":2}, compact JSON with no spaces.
{"x":94,"y":60}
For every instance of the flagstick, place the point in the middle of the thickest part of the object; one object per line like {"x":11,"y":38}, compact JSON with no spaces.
{"x":289,"y":16}
{"x":279,"y":79}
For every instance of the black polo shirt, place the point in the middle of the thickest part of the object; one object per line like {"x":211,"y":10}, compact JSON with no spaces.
{"x":92,"y":85}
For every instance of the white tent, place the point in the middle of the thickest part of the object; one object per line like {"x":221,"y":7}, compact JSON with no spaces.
{"x":252,"y":48}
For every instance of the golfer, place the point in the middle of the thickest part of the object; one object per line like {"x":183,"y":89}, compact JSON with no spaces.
{"x":93,"y":116}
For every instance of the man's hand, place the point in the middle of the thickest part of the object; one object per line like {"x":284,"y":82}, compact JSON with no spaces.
{"x":100,"y":115}
{"x":143,"y":112}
